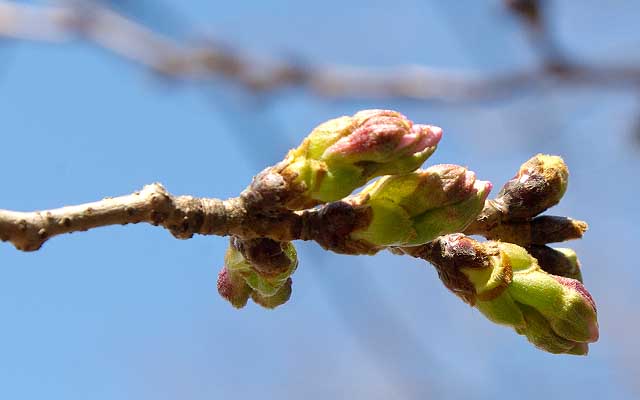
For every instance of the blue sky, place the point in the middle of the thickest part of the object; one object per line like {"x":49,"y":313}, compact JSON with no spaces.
{"x":130,"y":312}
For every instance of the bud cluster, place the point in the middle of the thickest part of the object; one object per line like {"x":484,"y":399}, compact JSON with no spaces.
{"x":260,"y":269}
{"x":513,"y":216}
{"x":426,"y":213}
{"x":506,"y":284}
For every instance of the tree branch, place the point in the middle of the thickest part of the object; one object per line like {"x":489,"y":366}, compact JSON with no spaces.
{"x":494,"y":223}
{"x":247,"y":218}
{"x":183,"y":216}
{"x":127,"y":38}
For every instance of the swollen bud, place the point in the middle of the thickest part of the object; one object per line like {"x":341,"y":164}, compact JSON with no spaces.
{"x":539,"y":184}
{"x":540,"y":333}
{"x":266,"y":278}
{"x":278,"y":298}
{"x":416,"y":208}
{"x":555,"y":313}
{"x":232,"y":287}
{"x":342,"y":154}
{"x":266,"y":283}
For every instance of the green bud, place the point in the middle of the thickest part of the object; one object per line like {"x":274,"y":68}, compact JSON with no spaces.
{"x":555,"y":313}
{"x":565,"y":303}
{"x":266,"y":283}
{"x":278,"y":298}
{"x":540,"y":333}
{"x":342,"y":154}
{"x":539,"y":184}
{"x":260,"y":269}
{"x":416,"y":208}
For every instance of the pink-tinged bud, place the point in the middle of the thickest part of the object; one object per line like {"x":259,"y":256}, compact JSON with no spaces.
{"x":581,"y":309}
{"x":232,"y":287}
{"x":541,"y":334}
{"x":342,"y":154}
{"x":382,"y":137}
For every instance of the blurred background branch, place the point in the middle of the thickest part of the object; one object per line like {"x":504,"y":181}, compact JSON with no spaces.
{"x":204,"y":60}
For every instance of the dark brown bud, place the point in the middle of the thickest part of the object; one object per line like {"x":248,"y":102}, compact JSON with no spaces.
{"x":539,"y":184}
{"x":561,"y":262}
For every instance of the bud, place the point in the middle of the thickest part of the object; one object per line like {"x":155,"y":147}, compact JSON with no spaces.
{"x":540,"y":333}
{"x":278,"y":298}
{"x":268,"y":257}
{"x":555,"y":313}
{"x":557,"y":261}
{"x":240,"y":278}
{"x":539,"y":184}
{"x":342,"y":154}
{"x":232,"y":287}
{"x":266,"y":283}
{"x":538,"y":231}
{"x":416,"y":208}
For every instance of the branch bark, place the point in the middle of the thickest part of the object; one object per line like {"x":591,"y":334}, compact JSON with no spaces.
{"x":183,"y":216}
{"x":247,"y":218}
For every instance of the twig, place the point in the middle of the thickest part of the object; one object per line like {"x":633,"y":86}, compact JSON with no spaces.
{"x":532,"y":14}
{"x":247,"y":217}
{"x":183,"y":216}
{"x":126,"y":38}
{"x":494,"y":224}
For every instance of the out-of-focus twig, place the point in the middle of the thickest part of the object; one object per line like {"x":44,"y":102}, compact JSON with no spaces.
{"x":533,"y":16}
{"x":129,"y":39}
{"x":636,"y":129}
